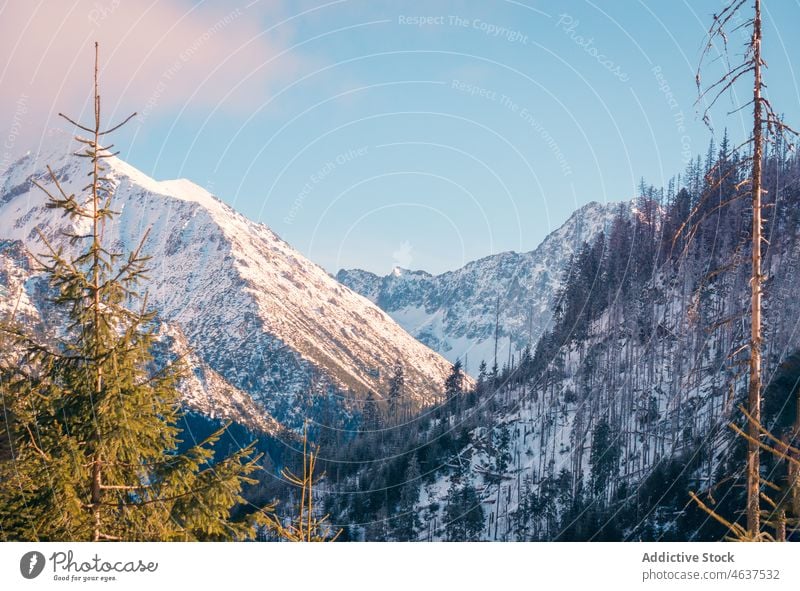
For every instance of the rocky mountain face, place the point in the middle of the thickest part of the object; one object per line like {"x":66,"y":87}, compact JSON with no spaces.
{"x":624,"y":407}
{"x":456,"y":313}
{"x":272,"y":336}
{"x":24,"y":296}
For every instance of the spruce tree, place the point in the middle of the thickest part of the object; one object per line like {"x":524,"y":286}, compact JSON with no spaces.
{"x":463,"y":514}
{"x":407,"y":521}
{"x":396,"y":388}
{"x":94,"y":419}
{"x":605,"y":454}
{"x":501,"y":456}
{"x":371,"y":415}
{"x":454,"y":383}
{"x":483,"y":376}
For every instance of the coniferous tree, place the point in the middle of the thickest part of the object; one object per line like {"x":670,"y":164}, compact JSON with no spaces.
{"x":396,"y":390}
{"x":407,"y":521}
{"x":524,"y":512}
{"x":501,"y":457}
{"x":605,"y":455}
{"x":464,"y":519}
{"x":454,"y":384}
{"x":371,"y":416}
{"x":94,"y":422}
{"x":483,"y":377}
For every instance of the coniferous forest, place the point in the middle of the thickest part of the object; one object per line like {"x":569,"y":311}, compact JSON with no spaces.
{"x":172,"y":371}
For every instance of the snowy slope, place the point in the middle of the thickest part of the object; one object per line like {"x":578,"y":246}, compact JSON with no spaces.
{"x":655,"y":370}
{"x":255,"y":311}
{"x":25,"y":297}
{"x":454,"y":313}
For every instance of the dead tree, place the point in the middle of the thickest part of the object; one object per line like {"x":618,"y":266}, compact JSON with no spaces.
{"x":766,"y":126}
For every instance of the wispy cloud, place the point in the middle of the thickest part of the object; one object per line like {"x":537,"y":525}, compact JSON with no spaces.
{"x":155,"y":58}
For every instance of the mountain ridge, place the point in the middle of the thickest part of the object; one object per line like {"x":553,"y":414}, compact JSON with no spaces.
{"x":269,"y":321}
{"x":520,"y":288}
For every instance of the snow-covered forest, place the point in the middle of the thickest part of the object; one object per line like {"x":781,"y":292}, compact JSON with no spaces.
{"x":171,"y":370}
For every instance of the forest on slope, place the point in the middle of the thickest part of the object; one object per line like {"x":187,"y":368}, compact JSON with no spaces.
{"x":659,"y":401}
{"x":621,"y":409}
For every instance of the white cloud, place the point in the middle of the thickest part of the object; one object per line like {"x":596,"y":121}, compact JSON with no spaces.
{"x":155,"y":58}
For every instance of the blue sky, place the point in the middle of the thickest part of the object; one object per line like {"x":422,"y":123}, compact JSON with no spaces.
{"x":422,"y":134}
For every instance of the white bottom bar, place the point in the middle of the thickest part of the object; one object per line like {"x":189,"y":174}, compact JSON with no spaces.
{"x":413,"y":566}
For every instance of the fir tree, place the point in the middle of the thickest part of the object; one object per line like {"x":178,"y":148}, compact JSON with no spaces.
{"x":483,"y":376}
{"x":396,"y":387}
{"x":463,"y":516}
{"x":407,"y":521}
{"x":605,"y":455}
{"x":501,"y":456}
{"x":454,"y":384}
{"x":94,"y":421}
{"x":370,"y":415}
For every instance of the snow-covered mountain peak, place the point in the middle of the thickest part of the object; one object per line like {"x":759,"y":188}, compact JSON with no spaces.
{"x":259,"y":314}
{"x":455,"y":312}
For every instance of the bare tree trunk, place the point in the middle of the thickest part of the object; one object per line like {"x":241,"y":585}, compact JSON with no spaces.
{"x":754,"y":388}
{"x":780,"y":534}
{"x":496,"y":329}
{"x":97,"y":460}
{"x":793,"y":468}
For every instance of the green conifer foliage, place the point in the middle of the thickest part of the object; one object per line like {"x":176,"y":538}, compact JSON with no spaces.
{"x":92,"y":419}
